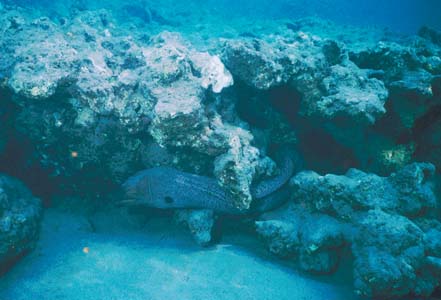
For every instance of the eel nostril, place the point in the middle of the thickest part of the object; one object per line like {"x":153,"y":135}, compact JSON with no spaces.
{"x":168,"y":200}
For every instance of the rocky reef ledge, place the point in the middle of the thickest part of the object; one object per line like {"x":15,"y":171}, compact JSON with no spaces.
{"x":91,"y":97}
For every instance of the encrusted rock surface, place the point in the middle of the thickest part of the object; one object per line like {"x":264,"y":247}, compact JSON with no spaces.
{"x":20,"y":214}
{"x":111,"y":92}
{"x":199,"y":222}
{"x":390,"y":260}
{"x":331,"y":85}
{"x":101,"y":75}
{"x":385,"y":221}
{"x":314,"y":239}
{"x":409,"y":68}
{"x":407,"y":192}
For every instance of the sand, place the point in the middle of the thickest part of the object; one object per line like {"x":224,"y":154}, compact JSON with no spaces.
{"x":117,"y":259}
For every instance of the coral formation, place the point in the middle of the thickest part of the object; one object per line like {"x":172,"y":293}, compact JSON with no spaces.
{"x":376,"y":217}
{"x":20,"y":215}
{"x":316,"y":240}
{"x":117,"y":87}
{"x":200,"y":223}
{"x":331,"y":85}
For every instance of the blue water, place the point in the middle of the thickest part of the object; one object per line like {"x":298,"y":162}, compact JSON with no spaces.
{"x":398,"y":15}
{"x":405,"y":16}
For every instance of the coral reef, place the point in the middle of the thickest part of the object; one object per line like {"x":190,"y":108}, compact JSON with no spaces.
{"x":378,"y":218}
{"x":407,"y":192}
{"x":104,"y":93}
{"x":20,"y":215}
{"x":111,"y":92}
{"x":409,"y":69}
{"x":316,"y":240}
{"x":331,"y":85}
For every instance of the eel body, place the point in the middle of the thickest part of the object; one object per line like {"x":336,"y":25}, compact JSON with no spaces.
{"x":273,"y":192}
{"x":164,"y":187}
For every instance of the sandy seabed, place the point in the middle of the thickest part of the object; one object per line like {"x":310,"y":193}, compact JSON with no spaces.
{"x":114,"y":260}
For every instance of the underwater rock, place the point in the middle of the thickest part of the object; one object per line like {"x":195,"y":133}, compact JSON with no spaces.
{"x":408,"y":67}
{"x":412,"y":96}
{"x":163,"y":87}
{"x":315,"y":81}
{"x":39,"y":78}
{"x":111,"y":83}
{"x":257,"y":63}
{"x":315,"y":240}
{"x":199,"y":222}
{"x":37,"y":57}
{"x":181,"y":117}
{"x":95,"y":147}
{"x":349,"y":92}
{"x":389,"y":256}
{"x":408,"y":191}
{"x":20,"y":215}
{"x":388,"y":223}
{"x":330,"y":84}
{"x":236,"y":169}
{"x":391,"y":57}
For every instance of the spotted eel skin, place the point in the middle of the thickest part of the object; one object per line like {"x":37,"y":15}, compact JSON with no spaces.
{"x":164,"y":187}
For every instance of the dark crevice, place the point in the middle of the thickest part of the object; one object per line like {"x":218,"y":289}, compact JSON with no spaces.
{"x":323,"y":154}
{"x":8,"y":263}
{"x":17,"y":160}
{"x":17,"y":157}
{"x":319,"y":149}
{"x":390,"y":125}
{"x":427,"y":121}
{"x":287,"y":101}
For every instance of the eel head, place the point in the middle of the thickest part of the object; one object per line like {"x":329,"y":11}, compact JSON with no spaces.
{"x":150,"y":188}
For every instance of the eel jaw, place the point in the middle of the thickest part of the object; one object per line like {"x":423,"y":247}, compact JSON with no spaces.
{"x":127,"y":202}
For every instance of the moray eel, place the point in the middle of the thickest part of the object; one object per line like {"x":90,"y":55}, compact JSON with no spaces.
{"x":271,"y":193}
{"x":164,"y":187}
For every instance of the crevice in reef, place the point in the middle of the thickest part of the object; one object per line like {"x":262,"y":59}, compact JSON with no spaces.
{"x":323,"y":153}
{"x":17,"y":157}
{"x":287,"y":101}
{"x":18,"y":160}
{"x":7,"y":264}
{"x":320,"y":150}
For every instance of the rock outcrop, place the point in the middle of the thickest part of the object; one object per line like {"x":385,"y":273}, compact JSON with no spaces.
{"x":111,"y":93}
{"x":330,"y":84}
{"x":382,"y":220}
{"x":20,"y":215}
{"x":199,"y":222}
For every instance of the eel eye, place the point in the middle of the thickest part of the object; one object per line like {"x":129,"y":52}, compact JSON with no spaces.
{"x":168,"y":200}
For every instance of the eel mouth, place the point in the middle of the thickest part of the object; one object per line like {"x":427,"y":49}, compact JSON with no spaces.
{"x":127,"y":202}
{"x":130,"y":195}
